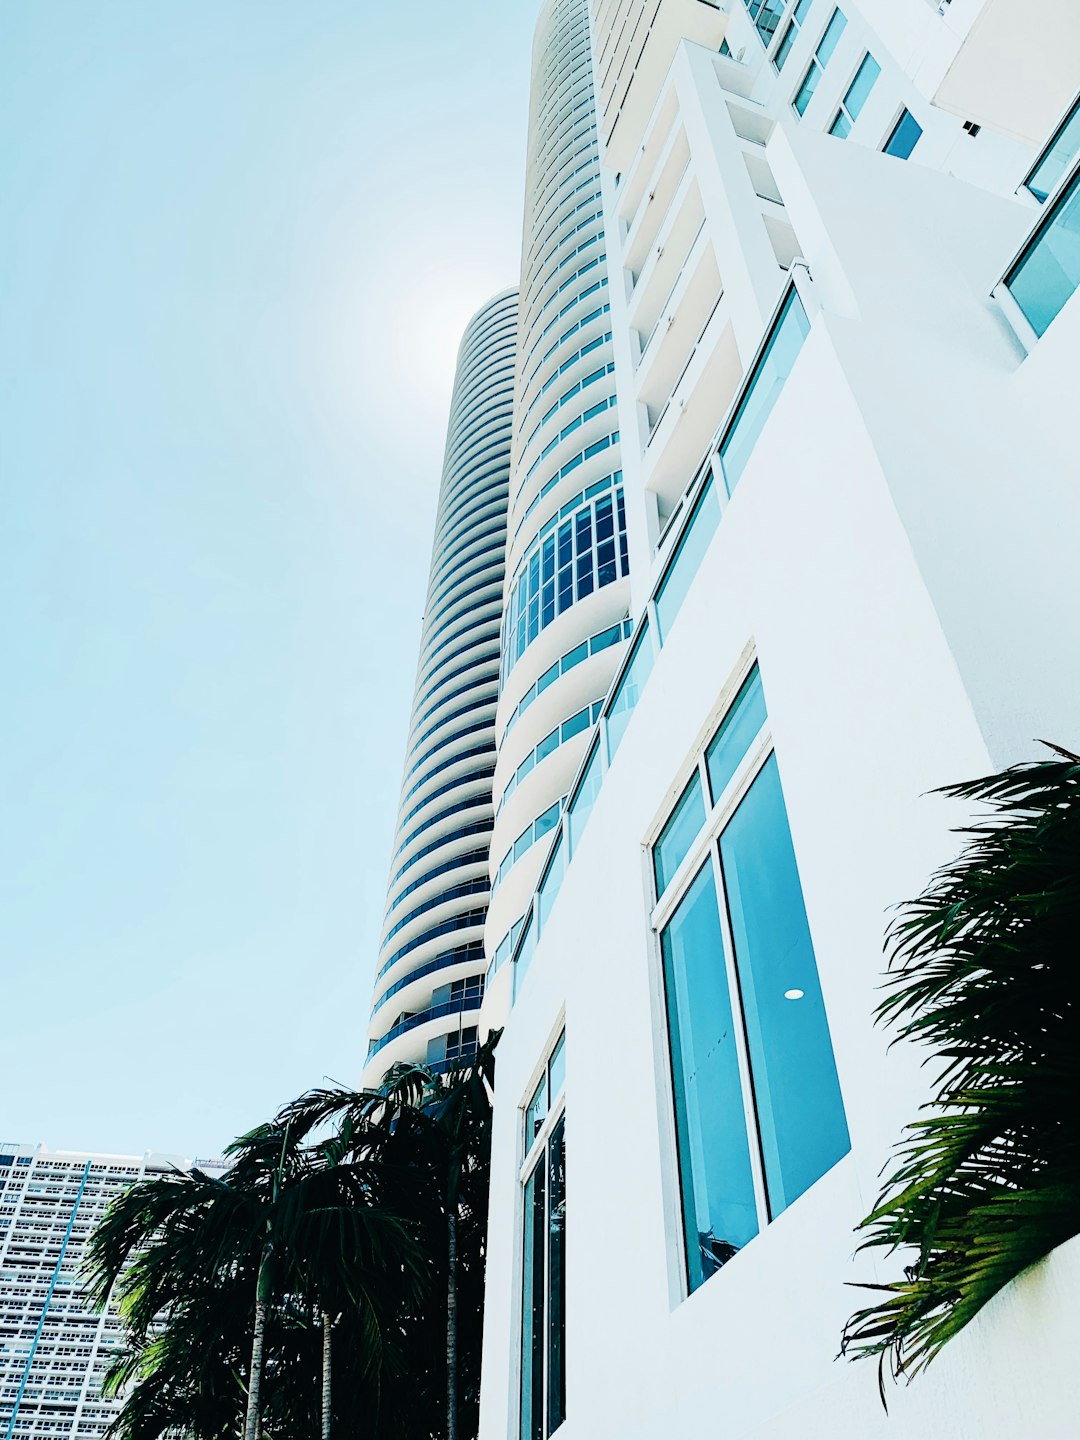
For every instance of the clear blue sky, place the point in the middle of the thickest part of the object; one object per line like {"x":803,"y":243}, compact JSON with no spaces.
{"x":239,"y":240}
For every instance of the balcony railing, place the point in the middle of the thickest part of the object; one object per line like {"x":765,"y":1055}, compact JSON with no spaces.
{"x":457,"y":1006}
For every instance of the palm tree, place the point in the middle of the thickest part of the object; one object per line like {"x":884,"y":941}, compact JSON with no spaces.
{"x":983,"y":971}
{"x":436,"y":1127}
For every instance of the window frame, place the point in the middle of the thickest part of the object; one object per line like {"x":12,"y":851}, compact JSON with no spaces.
{"x":703,"y":852}
{"x":533,"y":1154}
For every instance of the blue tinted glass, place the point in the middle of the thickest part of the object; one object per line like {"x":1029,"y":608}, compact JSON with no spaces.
{"x":906,"y":134}
{"x":1049,"y":270}
{"x":800,"y":1109}
{"x":628,"y":692}
{"x":547,"y":821}
{"x":828,"y":42}
{"x":719,"y":1210}
{"x":557,"y":1067}
{"x":584,"y":799}
{"x":532,"y":1309}
{"x":1060,"y":154}
{"x":807,"y":88}
{"x":764,"y":385}
{"x":693,"y":543}
{"x":736,"y":734}
{"x":860,"y":87}
{"x":552,"y":881}
{"x":678,"y":834}
{"x":841,"y":126}
{"x":523,"y":958}
{"x":783,"y":50}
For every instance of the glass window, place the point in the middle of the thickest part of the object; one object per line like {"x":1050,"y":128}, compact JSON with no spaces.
{"x":628,"y":691}
{"x":552,"y":881}
{"x":757,"y":1123}
{"x":825,"y":47}
{"x":1057,"y":157}
{"x":766,"y":16}
{"x":678,"y":834}
{"x":763,"y":386}
{"x":800,"y":1110}
{"x":783,"y":50}
{"x":739,"y":728}
{"x":904,"y":136}
{"x":716,"y":1180}
{"x":533,"y":1292}
{"x":584,"y":798}
{"x":689,"y":552}
{"x":864,"y":81}
{"x":1048,"y":271}
{"x":543,"y":1310}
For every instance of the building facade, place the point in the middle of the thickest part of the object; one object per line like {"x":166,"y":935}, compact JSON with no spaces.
{"x":55,"y":1349}
{"x":565,"y":622}
{"x":431,"y":966}
{"x":842,"y":249}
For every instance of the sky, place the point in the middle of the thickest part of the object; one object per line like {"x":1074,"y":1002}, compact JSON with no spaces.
{"x":239,"y":242}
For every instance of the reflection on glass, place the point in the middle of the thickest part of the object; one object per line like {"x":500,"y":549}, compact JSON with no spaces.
{"x":1058,"y":156}
{"x":1048,"y":272}
{"x":628,"y":691}
{"x":689,"y":552}
{"x":740,"y":726}
{"x":532,"y":1309}
{"x":719,"y":1210}
{"x":535,"y":1112}
{"x":556,"y":1370}
{"x":799,"y":1106}
{"x":764,"y":385}
{"x":584,"y":798}
{"x":678,"y":834}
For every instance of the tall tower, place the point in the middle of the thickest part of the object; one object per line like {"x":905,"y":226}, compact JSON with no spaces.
{"x":566,"y":592}
{"x":430,"y":975}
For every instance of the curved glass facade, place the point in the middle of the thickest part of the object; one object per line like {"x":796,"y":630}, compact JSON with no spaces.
{"x":566,"y":559}
{"x":429,"y":975}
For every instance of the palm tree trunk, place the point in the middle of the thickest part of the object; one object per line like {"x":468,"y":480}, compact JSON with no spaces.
{"x":451,"y":1324}
{"x":258,"y":1338}
{"x":326,"y":1342}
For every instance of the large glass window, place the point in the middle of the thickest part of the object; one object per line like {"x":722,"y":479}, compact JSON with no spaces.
{"x":795,"y":24}
{"x":758,"y":1112}
{"x":855,"y":97}
{"x":1055,"y":160}
{"x":719,"y":1207}
{"x":763,"y":387}
{"x":543,"y":1310}
{"x":821,"y":57}
{"x":766,"y":16}
{"x":1048,"y":271}
{"x":800,"y":1112}
{"x":904,"y":136}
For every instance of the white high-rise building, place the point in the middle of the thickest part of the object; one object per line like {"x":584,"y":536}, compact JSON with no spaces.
{"x":55,"y":1349}
{"x":843,"y":249}
{"x":430,"y":975}
{"x":567,"y":592}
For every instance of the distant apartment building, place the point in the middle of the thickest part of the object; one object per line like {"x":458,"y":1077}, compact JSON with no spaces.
{"x":54,"y":1348}
{"x":431,"y":965}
